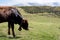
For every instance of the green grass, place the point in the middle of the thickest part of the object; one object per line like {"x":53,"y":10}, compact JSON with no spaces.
{"x":40,"y":28}
{"x":44,"y":27}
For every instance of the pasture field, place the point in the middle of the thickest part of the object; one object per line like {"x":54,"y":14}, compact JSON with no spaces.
{"x":40,"y":28}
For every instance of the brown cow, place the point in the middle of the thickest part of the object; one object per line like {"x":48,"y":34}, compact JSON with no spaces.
{"x":12,"y":16}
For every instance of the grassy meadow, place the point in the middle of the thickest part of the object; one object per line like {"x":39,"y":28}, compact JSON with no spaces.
{"x":40,"y":28}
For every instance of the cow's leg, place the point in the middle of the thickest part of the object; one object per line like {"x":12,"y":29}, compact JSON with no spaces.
{"x":8,"y":28}
{"x":12,"y":26}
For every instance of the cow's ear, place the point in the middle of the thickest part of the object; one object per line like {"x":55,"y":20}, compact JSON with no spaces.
{"x":25,"y":21}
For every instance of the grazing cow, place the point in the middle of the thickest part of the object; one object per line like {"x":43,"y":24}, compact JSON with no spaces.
{"x":12,"y":16}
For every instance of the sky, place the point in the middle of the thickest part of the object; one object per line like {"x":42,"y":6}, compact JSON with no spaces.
{"x":14,"y":2}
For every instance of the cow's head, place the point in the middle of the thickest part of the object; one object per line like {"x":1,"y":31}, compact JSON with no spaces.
{"x":24,"y":25}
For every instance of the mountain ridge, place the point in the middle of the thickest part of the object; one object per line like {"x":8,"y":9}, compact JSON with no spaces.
{"x":38,"y":4}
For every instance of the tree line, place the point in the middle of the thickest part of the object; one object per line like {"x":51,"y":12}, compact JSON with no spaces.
{"x":41,"y":9}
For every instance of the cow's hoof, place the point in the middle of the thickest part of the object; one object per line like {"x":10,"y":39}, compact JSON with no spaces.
{"x":13,"y":36}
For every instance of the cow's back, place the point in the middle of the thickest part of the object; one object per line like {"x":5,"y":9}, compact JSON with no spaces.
{"x":5,"y":12}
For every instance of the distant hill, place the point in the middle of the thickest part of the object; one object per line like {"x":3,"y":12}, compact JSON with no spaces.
{"x":34,"y":4}
{"x":56,"y":4}
{"x":22,"y":4}
{"x":19,"y":5}
{"x":39,"y":4}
